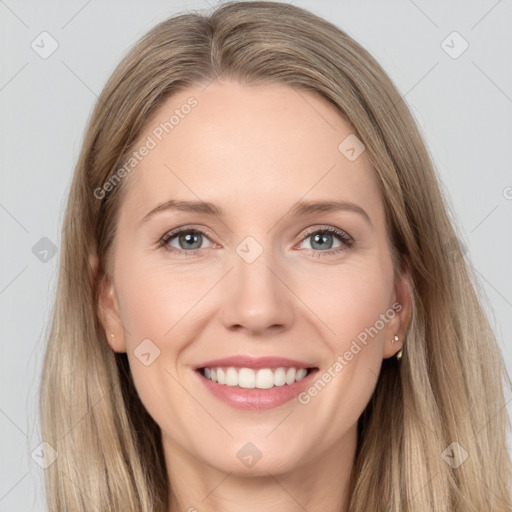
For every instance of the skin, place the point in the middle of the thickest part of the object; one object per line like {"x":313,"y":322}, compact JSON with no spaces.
{"x":255,"y":151}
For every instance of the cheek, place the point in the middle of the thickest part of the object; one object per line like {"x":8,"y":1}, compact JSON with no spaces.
{"x":351,"y":299}
{"x":156,"y":300}
{"x":161,"y":308}
{"x":352,"y":307}
{"x":156,"y":308}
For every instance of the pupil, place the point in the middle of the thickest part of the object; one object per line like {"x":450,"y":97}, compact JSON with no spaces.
{"x":189,"y":239}
{"x":321,"y":238}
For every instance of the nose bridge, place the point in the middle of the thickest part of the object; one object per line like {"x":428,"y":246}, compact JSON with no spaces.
{"x":256,"y":297}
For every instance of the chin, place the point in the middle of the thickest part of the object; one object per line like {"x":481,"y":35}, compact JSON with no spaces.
{"x":255,"y":459}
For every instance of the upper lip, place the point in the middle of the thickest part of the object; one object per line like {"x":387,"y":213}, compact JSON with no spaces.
{"x":255,"y":362}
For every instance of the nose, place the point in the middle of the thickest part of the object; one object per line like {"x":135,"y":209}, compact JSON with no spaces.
{"x":257,"y":299}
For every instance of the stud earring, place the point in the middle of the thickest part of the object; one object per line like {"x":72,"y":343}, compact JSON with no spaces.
{"x":112,"y":335}
{"x":399,"y":353}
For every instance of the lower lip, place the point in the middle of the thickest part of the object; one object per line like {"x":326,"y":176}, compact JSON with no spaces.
{"x":256,"y":399}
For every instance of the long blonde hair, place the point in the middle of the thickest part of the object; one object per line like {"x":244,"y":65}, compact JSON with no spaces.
{"x":447,"y":388}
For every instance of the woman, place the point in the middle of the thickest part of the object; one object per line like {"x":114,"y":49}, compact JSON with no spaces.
{"x":262,"y":303}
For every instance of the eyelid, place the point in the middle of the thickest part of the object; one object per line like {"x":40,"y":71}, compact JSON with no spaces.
{"x":329,"y":229}
{"x":199,"y":228}
{"x":169,"y":235}
{"x":346,"y":239}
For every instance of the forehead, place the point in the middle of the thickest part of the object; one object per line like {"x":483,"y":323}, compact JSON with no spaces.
{"x":256,"y":148}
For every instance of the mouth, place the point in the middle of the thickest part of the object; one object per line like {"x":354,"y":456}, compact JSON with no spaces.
{"x":255,"y":383}
{"x":255,"y":389}
{"x":255,"y":378}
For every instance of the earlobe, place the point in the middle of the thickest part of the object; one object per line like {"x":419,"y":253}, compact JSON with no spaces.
{"x":108,"y":313}
{"x":404,"y":297}
{"x":115,"y":344}
{"x":399,"y":325}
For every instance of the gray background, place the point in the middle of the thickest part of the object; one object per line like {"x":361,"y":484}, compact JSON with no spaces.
{"x":463,"y":107}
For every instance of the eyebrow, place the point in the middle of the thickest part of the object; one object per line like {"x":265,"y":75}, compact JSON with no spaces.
{"x":301,"y":208}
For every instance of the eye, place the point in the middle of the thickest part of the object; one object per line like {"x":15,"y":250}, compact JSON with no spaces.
{"x":327,"y":241}
{"x":322,"y":241}
{"x":184,"y":240}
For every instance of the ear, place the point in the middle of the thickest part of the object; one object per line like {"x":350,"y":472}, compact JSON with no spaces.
{"x":108,"y":313}
{"x":399,"y":323}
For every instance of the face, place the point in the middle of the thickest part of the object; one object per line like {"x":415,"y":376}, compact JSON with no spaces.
{"x":258,"y":272}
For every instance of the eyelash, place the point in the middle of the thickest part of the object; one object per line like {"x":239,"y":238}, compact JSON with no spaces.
{"x":346,"y":240}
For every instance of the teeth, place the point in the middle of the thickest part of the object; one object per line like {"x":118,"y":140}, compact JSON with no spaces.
{"x":291,"y":373}
{"x":280,"y":377}
{"x":264,"y":378}
{"x":231,"y":377}
{"x":247,"y":378}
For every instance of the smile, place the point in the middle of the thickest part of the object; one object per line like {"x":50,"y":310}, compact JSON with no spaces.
{"x":255,"y":389}
{"x":249,"y":378}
